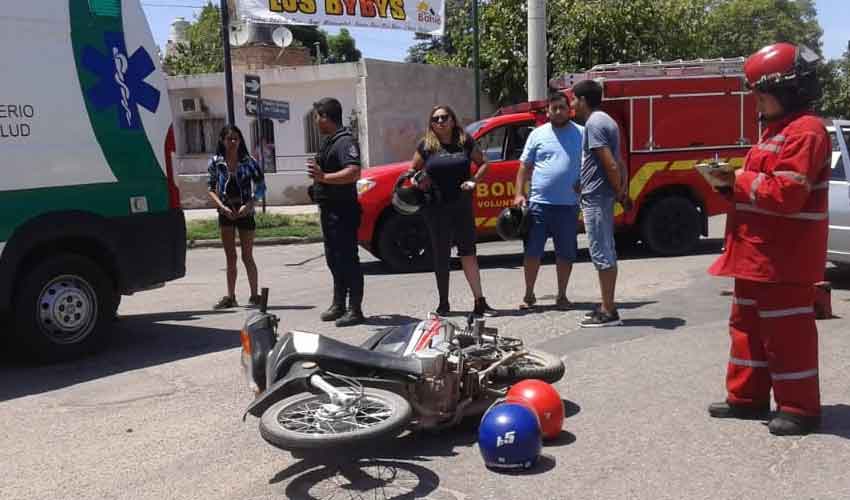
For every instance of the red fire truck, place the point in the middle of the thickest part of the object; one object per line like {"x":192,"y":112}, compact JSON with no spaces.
{"x":672,"y":115}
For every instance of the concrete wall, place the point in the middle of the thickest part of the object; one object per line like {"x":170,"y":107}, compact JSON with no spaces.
{"x":300,"y":86}
{"x":389,"y":101}
{"x":400,"y":97}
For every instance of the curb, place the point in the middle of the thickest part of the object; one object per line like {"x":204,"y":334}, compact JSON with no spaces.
{"x":284,"y":240}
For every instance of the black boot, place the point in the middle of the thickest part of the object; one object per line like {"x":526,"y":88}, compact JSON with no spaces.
{"x":789,"y":424}
{"x":337,"y":308}
{"x":745,"y":412}
{"x":353,"y":316}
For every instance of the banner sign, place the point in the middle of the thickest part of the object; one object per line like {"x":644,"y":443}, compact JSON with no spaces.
{"x":421,"y":16}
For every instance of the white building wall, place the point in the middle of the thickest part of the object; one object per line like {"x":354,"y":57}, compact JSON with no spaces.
{"x":390,"y":102}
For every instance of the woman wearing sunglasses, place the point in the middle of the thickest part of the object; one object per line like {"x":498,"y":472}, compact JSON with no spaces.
{"x":236,"y":182}
{"x":445,"y":154}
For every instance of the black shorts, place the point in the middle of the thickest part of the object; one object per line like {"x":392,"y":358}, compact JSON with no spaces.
{"x":452,"y":224}
{"x":246,"y":223}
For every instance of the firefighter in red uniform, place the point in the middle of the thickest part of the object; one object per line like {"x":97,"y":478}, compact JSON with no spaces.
{"x":776,"y":247}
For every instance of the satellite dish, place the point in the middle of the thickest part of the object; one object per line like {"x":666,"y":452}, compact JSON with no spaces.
{"x":282,"y":37}
{"x":241,"y":33}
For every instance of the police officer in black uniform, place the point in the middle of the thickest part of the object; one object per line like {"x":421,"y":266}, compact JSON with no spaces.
{"x":335,"y":171}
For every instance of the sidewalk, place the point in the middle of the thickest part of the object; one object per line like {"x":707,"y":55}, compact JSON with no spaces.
{"x":211,"y":213}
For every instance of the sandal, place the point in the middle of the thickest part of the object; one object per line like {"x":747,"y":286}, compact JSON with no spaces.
{"x":226,"y":302}
{"x":528,"y":302}
{"x":563,"y":303}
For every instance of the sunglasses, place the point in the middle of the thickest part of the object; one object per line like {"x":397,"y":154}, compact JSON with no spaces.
{"x":440,"y":118}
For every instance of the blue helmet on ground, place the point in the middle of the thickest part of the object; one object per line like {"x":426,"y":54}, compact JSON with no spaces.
{"x":509,"y":437}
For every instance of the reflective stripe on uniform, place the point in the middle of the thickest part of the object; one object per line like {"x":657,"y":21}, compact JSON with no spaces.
{"x":773,"y":148}
{"x":754,"y":186}
{"x":794,"y":176}
{"x":748,"y":362}
{"x":815,"y":216}
{"x":794,"y":375}
{"x":782,"y":313}
{"x":743,"y":302}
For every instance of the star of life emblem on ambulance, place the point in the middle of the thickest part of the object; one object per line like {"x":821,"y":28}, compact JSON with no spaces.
{"x":121,"y":81}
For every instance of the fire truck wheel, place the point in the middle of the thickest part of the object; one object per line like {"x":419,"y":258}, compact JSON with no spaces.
{"x":404,"y":244}
{"x":671,"y":226}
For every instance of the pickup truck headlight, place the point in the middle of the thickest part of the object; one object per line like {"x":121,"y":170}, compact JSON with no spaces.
{"x":364,"y":185}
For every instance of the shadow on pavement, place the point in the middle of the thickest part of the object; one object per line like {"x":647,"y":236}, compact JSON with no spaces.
{"x":666,"y":323}
{"x":394,"y":468}
{"x":138,"y":341}
{"x":835,"y":420}
{"x":513,"y":260}
{"x":390,"y":320}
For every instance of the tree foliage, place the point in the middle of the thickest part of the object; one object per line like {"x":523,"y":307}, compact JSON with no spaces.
{"x":583,"y":33}
{"x":203,"y":53}
{"x":342,"y":48}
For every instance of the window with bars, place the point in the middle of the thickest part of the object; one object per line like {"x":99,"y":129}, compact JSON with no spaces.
{"x":201,"y":135}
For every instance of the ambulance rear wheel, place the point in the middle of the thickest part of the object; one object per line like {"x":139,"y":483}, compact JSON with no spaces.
{"x":404,"y":244}
{"x":63,"y":308}
{"x":671,"y":226}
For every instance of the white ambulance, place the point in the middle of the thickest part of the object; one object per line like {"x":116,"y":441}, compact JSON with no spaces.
{"x":89,"y":208}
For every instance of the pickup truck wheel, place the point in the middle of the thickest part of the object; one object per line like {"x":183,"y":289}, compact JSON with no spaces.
{"x":672,"y":226}
{"x":63,"y":308}
{"x":404,"y":244}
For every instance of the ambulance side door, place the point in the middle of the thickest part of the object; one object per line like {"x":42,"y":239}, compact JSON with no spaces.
{"x":502,"y":146}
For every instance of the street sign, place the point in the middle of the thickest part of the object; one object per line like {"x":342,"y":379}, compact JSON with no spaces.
{"x":275,"y":110}
{"x":252,"y":86}
{"x":251,"y":106}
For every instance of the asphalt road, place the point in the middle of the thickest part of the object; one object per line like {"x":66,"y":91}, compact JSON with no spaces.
{"x":158,"y":415}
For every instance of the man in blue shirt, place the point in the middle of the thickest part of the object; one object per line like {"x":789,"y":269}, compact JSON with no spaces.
{"x":552,"y":161}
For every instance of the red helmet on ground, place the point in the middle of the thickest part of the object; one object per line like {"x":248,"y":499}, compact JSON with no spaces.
{"x":544,"y":400}
{"x":784,"y":65}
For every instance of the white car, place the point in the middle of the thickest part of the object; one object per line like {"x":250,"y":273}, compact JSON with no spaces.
{"x":838,"y":251}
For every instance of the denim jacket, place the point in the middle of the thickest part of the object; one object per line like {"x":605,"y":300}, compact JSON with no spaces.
{"x":248,"y":172}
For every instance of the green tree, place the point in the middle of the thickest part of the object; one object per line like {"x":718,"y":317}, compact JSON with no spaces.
{"x":342,"y":48}
{"x":836,"y":96}
{"x":583,"y":33}
{"x":203,"y":53}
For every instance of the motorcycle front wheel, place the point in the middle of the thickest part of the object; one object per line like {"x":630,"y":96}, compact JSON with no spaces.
{"x":536,"y":364}
{"x":308,"y":421}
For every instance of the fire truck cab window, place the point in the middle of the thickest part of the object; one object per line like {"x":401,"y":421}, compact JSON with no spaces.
{"x":838,"y":173}
{"x":492,"y":144}
{"x":519,"y":134}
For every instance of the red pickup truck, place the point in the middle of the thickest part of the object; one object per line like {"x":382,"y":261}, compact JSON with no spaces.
{"x":671,"y":117}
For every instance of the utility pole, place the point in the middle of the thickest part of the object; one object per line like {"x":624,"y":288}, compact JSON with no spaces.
{"x":475,"y":62}
{"x":537,"y":64}
{"x":228,"y":68}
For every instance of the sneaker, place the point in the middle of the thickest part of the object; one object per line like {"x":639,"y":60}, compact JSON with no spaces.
{"x":601,"y":319}
{"x":333,"y":313}
{"x":744,"y":412}
{"x":789,"y":424}
{"x":353,"y":316}
{"x":594,"y":311}
{"x":226,"y":302}
{"x":443,"y":309}
{"x":482,"y":308}
{"x":254,"y":300}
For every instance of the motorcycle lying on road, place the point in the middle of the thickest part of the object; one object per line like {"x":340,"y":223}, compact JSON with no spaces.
{"x":316,"y":392}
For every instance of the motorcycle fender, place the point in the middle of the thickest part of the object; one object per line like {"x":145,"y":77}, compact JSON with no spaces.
{"x":295,"y":381}
{"x":260,"y":330}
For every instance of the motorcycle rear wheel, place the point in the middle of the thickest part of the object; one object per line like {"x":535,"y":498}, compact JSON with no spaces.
{"x":300,"y":422}
{"x":536,"y":364}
